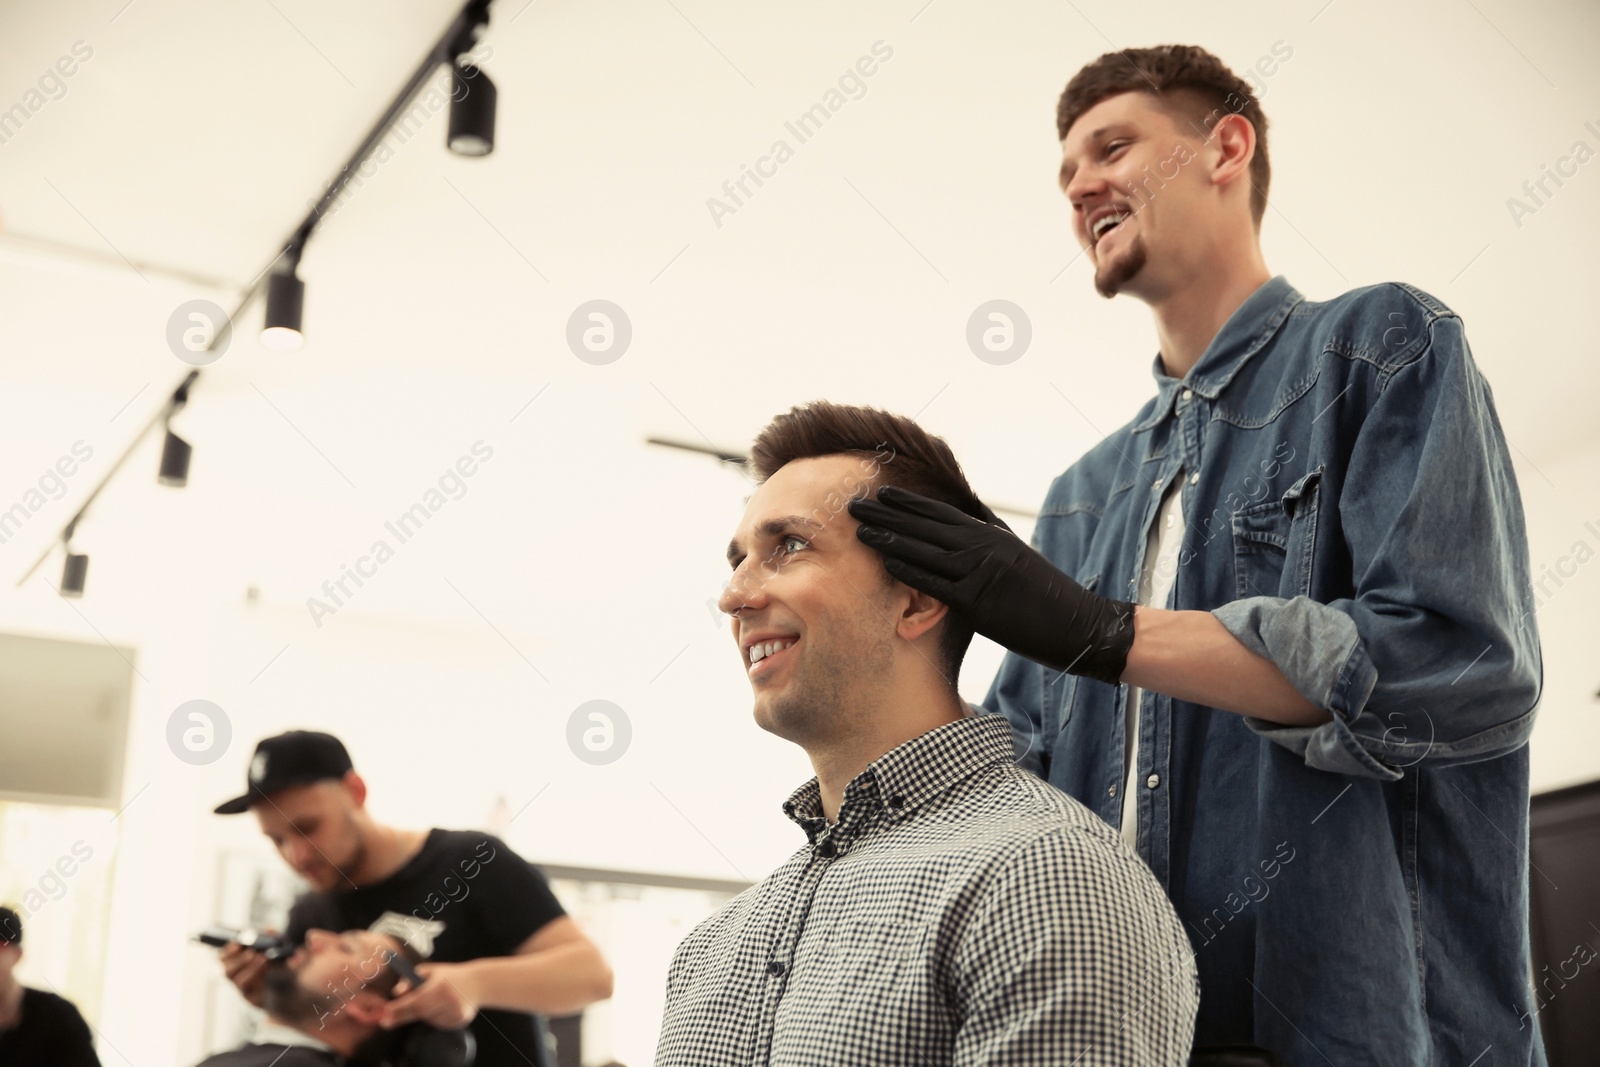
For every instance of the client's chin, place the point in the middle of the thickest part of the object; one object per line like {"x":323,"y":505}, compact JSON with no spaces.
{"x":284,"y":998}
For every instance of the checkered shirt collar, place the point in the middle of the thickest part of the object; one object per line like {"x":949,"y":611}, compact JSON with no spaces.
{"x":909,"y":775}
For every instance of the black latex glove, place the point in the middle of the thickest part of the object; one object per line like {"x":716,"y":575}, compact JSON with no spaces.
{"x":997,"y":583}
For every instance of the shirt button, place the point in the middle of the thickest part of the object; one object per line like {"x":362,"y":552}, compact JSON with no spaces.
{"x":827,"y":848}
{"x":1188,"y":394}
{"x":1156,"y":488}
{"x":1111,"y":792}
{"x":897,"y":801}
{"x":1194,"y":478}
{"x":1153,"y":781}
{"x":775,"y":967}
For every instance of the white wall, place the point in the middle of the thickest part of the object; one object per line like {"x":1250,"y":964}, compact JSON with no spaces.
{"x":1562,"y":500}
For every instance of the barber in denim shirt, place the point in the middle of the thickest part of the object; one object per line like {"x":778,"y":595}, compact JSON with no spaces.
{"x":1329,"y":773}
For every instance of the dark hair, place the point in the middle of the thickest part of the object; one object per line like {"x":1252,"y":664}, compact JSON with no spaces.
{"x":1190,"y":84}
{"x":10,"y":927}
{"x":904,"y":455}
{"x":283,"y":996}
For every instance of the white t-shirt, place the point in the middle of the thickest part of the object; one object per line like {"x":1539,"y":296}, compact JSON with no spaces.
{"x":1155,"y":588}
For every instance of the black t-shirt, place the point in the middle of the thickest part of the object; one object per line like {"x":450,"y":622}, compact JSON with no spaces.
{"x":476,"y":897}
{"x":50,"y":1033}
{"x":273,"y":1056}
{"x":382,"y":1049}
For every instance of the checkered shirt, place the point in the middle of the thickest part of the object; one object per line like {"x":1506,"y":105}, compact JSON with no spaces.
{"x":960,"y":911}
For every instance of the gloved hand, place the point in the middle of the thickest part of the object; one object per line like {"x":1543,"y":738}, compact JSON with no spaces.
{"x":997,"y":583}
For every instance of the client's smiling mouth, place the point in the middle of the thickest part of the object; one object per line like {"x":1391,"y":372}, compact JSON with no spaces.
{"x":764,"y":652}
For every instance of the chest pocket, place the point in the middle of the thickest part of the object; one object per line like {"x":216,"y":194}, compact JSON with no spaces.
{"x":1058,"y":689}
{"x":1274,"y":542}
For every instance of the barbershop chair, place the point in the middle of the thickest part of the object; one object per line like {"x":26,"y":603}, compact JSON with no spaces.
{"x":423,"y":1046}
{"x":1235,"y":1056}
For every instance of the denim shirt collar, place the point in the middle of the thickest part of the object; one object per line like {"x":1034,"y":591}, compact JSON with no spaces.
{"x":1250,"y":327}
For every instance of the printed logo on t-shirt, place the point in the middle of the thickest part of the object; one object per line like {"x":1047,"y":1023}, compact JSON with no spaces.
{"x":418,"y":933}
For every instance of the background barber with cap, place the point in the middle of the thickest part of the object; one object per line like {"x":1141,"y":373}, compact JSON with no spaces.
{"x":497,"y":938}
{"x":37,"y":1028}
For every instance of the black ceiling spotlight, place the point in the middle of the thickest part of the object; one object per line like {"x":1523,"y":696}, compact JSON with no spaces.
{"x":175,"y":451}
{"x":286,"y":296}
{"x":471,"y":133}
{"x":76,"y":568}
{"x":175,"y":454}
{"x":472,"y":100}
{"x":472,"y":94}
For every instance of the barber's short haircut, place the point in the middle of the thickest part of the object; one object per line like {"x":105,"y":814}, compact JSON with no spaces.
{"x":10,"y":927}
{"x":905,"y":455}
{"x":1190,"y":84}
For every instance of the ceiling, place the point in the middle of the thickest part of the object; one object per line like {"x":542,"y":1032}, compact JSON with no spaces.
{"x":192,"y":136}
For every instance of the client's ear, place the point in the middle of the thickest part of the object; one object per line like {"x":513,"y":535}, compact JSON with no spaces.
{"x":366,"y":1007}
{"x":922,"y":613}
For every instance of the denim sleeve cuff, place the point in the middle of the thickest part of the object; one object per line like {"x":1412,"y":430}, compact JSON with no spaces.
{"x":1319,"y":650}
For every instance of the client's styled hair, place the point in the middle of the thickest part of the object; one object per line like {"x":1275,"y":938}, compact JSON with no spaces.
{"x":905,"y":455}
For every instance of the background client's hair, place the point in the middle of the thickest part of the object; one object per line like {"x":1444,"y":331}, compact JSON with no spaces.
{"x":906,"y":456}
{"x":283,"y":996}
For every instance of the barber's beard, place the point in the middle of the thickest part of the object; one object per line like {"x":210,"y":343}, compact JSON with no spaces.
{"x":1124,"y":266}
{"x":353,"y":860}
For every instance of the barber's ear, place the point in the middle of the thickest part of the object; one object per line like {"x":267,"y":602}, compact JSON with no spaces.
{"x":922,"y":613}
{"x":1233,"y":143}
{"x":356,"y":787}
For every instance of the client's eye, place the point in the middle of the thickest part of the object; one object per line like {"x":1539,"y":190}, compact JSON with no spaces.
{"x":802,"y":542}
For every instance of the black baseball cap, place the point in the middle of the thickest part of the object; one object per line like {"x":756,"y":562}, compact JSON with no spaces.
{"x":10,"y":927}
{"x":295,"y":758}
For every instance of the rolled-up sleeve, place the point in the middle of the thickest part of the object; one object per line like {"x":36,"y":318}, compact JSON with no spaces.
{"x":1435,"y":657}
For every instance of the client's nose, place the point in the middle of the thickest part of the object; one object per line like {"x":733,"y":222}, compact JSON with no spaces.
{"x":745,"y":589}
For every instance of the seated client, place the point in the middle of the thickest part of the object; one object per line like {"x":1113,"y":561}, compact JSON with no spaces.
{"x":324,"y":1003}
{"x":948,"y":907}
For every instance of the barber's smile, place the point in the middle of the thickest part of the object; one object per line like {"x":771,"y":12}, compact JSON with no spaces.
{"x":765,"y":653}
{"x":1104,"y":223}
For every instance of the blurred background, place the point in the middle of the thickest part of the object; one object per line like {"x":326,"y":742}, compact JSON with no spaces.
{"x":446,"y":301}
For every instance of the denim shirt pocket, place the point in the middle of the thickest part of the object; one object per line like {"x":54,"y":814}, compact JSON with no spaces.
{"x":1274,"y":542}
{"x":1058,"y":689}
